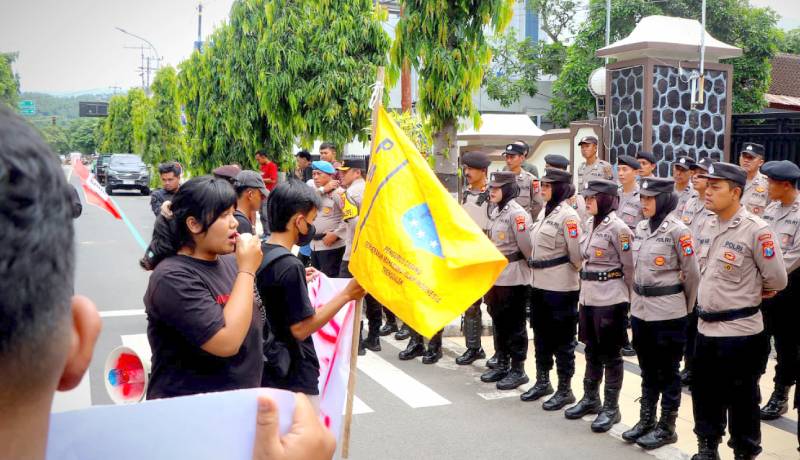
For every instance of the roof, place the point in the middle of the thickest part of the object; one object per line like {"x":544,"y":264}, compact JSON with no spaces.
{"x":502,"y":128}
{"x":668,"y":37}
{"x":785,"y":75}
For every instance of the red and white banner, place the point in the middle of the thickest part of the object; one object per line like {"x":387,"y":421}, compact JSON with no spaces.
{"x":92,"y":190}
{"x":333,"y":344}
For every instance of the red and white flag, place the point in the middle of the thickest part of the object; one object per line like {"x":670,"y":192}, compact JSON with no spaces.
{"x":332,"y":344}
{"x":92,"y":190}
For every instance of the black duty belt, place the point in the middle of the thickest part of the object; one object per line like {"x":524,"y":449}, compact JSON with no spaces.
{"x":515,"y":257}
{"x":656,"y":291}
{"x":602,"y":276}
{"x":727,"y":315}
{"x":548,"y":263}
{"x":318,"y":236}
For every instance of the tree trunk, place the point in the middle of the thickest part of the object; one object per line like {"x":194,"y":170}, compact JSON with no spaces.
{"x":405,"y":86}
{"x":445,"y":152}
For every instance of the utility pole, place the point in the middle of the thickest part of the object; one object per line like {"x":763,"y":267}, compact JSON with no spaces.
{"x":405,"y":79}
{"x":142,"y":68}
{"x":198,"y":44}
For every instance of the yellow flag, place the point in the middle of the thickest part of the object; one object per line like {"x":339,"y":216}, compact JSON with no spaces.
{"x":415,"y":249}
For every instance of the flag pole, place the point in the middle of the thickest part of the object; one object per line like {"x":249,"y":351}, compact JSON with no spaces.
{"x":377,"y":101}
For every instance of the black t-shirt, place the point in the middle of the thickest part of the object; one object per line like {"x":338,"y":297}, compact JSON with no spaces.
{"x":284,"y":285}
{"x":184,"y":303}
{"x":245,"y":226}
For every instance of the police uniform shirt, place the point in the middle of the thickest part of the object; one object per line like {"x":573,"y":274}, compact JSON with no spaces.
{"x":665,"y":257}
{"x":529,"y":193}
{"x":755,"y":196}
{"x":695,"y":214}
{"x":509,"y":229}
{"x":683,"y":197}
{"x":600,"y":169}
{"x":607,"y":247}
{"x":785,"y":222}
{"x":555,"y":236}
{"x":741,"y":260}
{"x":578,"y":203}
{"x":476,"y":202}
{"x":355,"y":194}
{"x":630,"y":208}
{"x":329,"y":219}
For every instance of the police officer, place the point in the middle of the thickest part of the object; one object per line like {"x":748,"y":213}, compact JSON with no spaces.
{"x":556,"y":262}
{"x":529,"y":197}
{"x":781,"y":316}
{"x":695,"y":216}
{"x":593,"y":167}
{"x":576,"y":200}
{"x":509,"y":229}
{"x":606,"y":276}
{"x":328,"y":245}
{"x":474,"y":200}
{"x":666,"y":276}
{"x":755,"y":196}
{"x":743,"y":264}
{"x":630,"y":206}
{"x":647,"y":162}
{"x":682,"y":173}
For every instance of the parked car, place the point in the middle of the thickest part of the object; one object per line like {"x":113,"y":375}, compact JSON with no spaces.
{"x":128,"y":172}
{"x":100,"y":168}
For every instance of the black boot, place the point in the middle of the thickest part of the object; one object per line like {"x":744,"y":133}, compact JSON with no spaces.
{"x":388,"y":328}
{"x":627,"y":350}
{"x":415,"y":348}
{"x":541,"y":388}
{"x":433,"y":354}
{"x":403,"y":333}
{"x":372,"y":342}
{"x":516,"y":376}
{"x":499,"y":371}
{"x":609,"y":415}
{"x":686,"y":376}
{"x":663,"y":434}
{"x":647,"y":419}
{"x":589,"y":403}
{"x":470,"y":356}
{"x":706,"y":449}
{"x":743,"y":456}
{"x":491,"y":363}
{"x":562,"y":397}
{"x":361,"y":350}
{"x":778,"y":403}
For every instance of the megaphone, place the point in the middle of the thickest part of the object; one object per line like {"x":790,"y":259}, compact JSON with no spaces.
{"x":126,"y":374}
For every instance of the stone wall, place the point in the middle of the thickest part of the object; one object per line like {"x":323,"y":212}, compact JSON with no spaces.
{"x":626,"y":112}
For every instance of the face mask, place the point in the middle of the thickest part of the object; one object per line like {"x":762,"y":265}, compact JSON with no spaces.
{"x":305,"y":238}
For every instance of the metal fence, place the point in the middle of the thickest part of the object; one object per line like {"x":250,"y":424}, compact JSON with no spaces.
{"x":779,"y":132}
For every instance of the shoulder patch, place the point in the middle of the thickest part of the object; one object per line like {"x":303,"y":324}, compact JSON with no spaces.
{"x":765,"y":236}
{"x":625,"y":241}
{"x":768,"y":249}
{"x":520,"y":221}
{"x":572,"y":228}
{"x":686,"y":245}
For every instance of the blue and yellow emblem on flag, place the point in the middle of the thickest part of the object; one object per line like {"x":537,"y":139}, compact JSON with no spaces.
{"x":415,"y":249}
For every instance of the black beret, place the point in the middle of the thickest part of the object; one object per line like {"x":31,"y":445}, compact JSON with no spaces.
{"x":628,"y":160}
{"x":596,"y":186}
{"x":783,"y":170}
{"x":652,"y":186}
{"x":726,"y":171}
{"x":477,"y":160}
{"x":500,"y":178}
{"x":557,"y":175}
{"x":515,"y":149}
{"x":753,"y":149}
{"x":557,"y":161}
{"x":649,"y":156}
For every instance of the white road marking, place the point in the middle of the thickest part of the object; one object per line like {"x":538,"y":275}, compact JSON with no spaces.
{"x":121,"y":313}
{"x":359,"y":407}
{"x":493,"y":395}
{"x":78,"y":398}
{"x":408,"y":389}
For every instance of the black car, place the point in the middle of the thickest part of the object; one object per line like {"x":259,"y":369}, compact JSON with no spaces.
{"x":100,"y":167}
{"x":127,"y":171}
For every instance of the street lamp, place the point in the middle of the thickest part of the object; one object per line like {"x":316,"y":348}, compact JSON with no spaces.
{"x":158,"y":58}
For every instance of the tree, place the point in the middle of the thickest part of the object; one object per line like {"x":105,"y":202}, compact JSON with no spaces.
{"x":732,"y":21}
{"x":163,"y":138}
{"x":57,"y":138}
{"x":140,"y":107}
{"x":445,"y":42}
{"x":81,"y":133}
{"x":9,"y":81}
{"x":791,"y":41}
{"x":118,"y":129}
{"x":513,"y":70}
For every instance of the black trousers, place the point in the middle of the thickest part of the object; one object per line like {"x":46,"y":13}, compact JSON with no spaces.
{"x":435,"y":341}
{"x":328,"y":261}
{"x":725,"y":389}
{"x":781,"y":320}
{"x":603,"y":331}
{"x":691,"y":336}
{"x":659,"y":346}
{"x":507,"y":309}
{"x":472,"y":325}
{"x":372,"y":308}
{"x":554,"y":319}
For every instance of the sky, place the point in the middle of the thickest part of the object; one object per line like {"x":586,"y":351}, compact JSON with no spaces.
{"x":68,"y":46}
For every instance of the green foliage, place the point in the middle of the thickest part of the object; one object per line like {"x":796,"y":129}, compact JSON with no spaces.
{"x":556,"y":17}
{"x":81,"y":133}
{"x":163,"y":133}
{"x":9,"y":81}
{"x":140,"y":107}
{"x":445,"y":43}
{"x":513,"y":70}
{"x":731,"y":21}
{"x":790,"y":42}
{"x":118,"y":128}
{"x":56,"y":137}
{"x":417,"y":129}
{"x":64,"y":107}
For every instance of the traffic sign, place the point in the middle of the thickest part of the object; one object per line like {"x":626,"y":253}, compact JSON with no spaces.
{"x":27,"y":107}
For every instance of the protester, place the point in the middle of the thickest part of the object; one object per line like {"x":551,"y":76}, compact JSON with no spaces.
{"x":291,"y":361}
{"x":203,"y":323}
{"x":49,"y":334}
{"x":269,"y":170}
{"x":170,"y":174}
{"x":250,"y":194}
{"x":303,"y":171}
